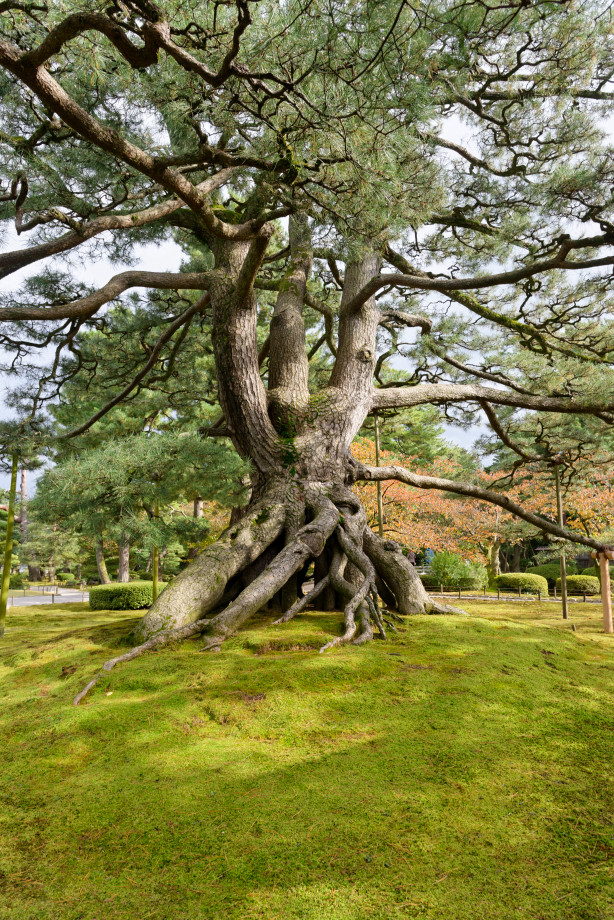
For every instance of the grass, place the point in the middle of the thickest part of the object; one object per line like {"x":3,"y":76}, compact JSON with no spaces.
{"x":461,"y":771}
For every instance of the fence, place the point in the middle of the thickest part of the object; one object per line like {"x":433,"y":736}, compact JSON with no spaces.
{"x":458,"y":592}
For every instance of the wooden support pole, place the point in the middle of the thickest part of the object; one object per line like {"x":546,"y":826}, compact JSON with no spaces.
{"x":380,"y":504}
{"x":606,"y":595}
{"x":559,"y":505}
{"x":8,"y":547}
{"x":155,"y":560}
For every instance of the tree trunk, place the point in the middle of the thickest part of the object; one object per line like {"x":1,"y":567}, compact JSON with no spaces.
{"x":123,"y":568}
{"x":302,"y":510}
{"x":198,"y":507}
{"x":516,"y":557}
{"x":494,"y":561}
{"x":103,"y":575}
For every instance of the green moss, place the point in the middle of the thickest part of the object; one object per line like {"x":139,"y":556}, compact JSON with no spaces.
{"x":454,"y":772}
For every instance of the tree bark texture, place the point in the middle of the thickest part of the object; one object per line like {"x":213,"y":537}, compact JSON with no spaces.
{"x":123,"y":566}
{"x":302,"y":509}
{"x":103,"y":575}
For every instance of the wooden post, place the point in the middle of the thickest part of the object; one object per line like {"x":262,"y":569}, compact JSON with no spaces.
{"x":8,"y":546}
{"x":559,"y":506}
{"x":380,"y":504}
{"x":155,"y":560}
{"x":606,"y":596}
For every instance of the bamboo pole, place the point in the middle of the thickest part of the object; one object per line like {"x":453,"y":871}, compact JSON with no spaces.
{"x":8,"y":547}
{"x":559,"y":506}
{"x":380,"y":504}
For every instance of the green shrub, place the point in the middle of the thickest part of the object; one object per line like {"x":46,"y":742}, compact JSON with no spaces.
{"x":551,"y":571}
{"x":452,"y":571}
{"x":531,"y":584}
{"x":130,"y":596}
{"x":581,"y":584}
{"x":592,"y":571}
{"x":17,"y":581}
{"x":65,"y":576}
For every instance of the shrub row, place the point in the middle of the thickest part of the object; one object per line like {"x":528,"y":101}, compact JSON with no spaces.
{"x":131,"y":596}
{"x":551,"y":571}
{"x":523,"y":581}
{"x":581,"y":584}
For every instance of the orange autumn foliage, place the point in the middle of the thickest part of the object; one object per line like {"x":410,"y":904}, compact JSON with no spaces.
{"x":421,"y":518}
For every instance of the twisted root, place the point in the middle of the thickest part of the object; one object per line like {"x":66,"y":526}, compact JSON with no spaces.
{"x":264,"y":558}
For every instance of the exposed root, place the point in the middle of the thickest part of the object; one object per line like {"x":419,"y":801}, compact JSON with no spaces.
{"x":304,"y":601}
{"x":175,"y":635}
{"x":264,"y":558}
{"x":436,"y":608}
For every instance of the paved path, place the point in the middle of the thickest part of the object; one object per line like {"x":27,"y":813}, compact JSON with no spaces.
{"x":64,"y":596}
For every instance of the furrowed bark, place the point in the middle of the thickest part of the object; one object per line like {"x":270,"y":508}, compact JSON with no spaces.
{"x":401,"y":577}
{"x":288,"y":365}
{"x":103,"y":575}
{"x":309,"y":542}
{"x":200,"y":588}
{"x":242,"y":395}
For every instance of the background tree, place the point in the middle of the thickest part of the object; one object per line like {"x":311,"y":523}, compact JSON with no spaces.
{"x":125,"y":491}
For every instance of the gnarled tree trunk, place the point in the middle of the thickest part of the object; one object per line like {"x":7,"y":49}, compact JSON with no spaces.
{"x":302,"y":508}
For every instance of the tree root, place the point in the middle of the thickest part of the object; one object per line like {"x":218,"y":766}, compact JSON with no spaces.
{"x":304,"y":601}
{"x":264,"y":559}
{"x":175,"y":635}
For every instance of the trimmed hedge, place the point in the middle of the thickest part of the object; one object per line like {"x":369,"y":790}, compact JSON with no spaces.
{"x":532,"y":584}
{"x":119,"y":596}
{"x":581,"y":584}
{"x":551,"y":571}
{"x":65,"y":576}
{"x":591,"y":571}
{"x":17,"y":581}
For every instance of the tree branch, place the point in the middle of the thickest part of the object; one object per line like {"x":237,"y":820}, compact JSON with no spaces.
{"x":402,"y":398}
{"x":185,"y":317}
{"x":87,"y":306}
{"x":12,"y":261}
{"x":424,"y":283}
{"x":50,"y":92}
{"x":380,"y":473}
